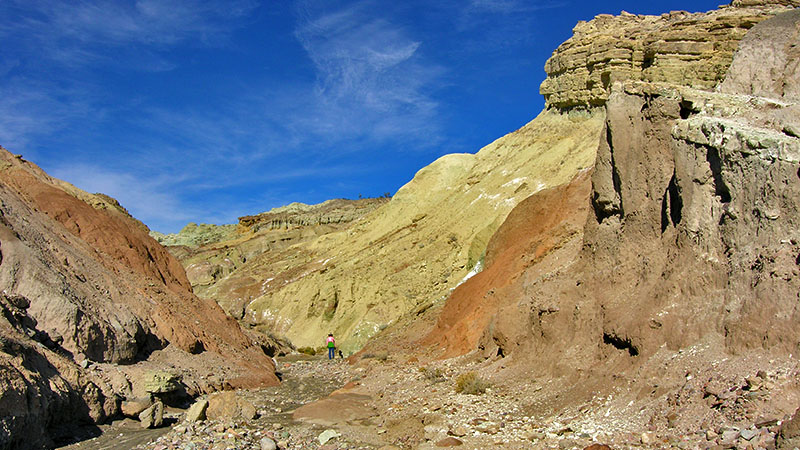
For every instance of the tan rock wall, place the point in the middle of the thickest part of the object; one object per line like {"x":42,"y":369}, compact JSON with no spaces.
{"x":677,"y":48}
{"x":411,"y":252}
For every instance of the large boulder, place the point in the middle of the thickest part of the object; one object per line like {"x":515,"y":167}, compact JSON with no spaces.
{"x":228,"y":405}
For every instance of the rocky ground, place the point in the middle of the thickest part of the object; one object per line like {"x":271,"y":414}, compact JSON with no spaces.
{"x":392,"y":401}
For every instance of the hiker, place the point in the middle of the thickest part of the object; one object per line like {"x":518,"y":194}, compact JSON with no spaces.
{"x":331,"y":345}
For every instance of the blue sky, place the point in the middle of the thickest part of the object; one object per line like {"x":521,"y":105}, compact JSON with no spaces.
{"x":207,"y":110}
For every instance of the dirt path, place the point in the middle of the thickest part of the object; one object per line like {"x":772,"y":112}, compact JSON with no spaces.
{"x":391,"y":402}
{"x":305,"y":380}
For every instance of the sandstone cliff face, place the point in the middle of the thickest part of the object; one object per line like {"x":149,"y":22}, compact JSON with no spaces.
{"x":94,"y":286}
{"x":228,"y":263}
{"x":691,"y":235}
{"x":412,"y":251}
{"x":677,"y":48}
{"x":353,"y":268}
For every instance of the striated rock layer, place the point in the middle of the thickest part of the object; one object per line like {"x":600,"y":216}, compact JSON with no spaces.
{"x":677,"y":48}
{"x":410,"y":252}
{"x":228,"y":263}
{"x":89,"y":286}
{"x":685,"y":242}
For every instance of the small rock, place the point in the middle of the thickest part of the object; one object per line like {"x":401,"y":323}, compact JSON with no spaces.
{"x":277,"y":426}
{"x":766,"y":422}
{"x":565,"y":444}
{"x":326,"y":436}
{"x":648,"y":438}
{"x":268,"y":444}
{"x":748,"y":434}
{"x":672,"y":419}
{"x":729,"y":437}
{"x":536,"y":436}
{"x":449,"y":442}
{"x":197,"y":411}
{"x":597,"y":447}
{"x":152,"y":417}
{"x":488,"y":428}
{"x":458,"y":431}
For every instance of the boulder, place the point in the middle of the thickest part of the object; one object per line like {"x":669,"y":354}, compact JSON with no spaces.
{"x":152,"y":417}
{"x":134,"y":407}
{"x":161,"y":382}
{"x":197,"y":411}
{"x":227,"y":405}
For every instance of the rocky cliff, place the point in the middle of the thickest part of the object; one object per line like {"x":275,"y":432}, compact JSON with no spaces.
{"x":692,"y":219}
{"x":677,"y":264}
{"x":83,"y":285}
{"x":224,"y":261}
{"x":412,"y":251}
{"x":677,"y":48}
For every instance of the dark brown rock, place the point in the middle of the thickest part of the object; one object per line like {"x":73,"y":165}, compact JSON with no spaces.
{"x":132,"y":408}
{"x":789,"y":434}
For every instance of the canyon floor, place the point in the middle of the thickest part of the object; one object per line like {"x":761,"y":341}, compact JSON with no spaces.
{"x":387,"y":401}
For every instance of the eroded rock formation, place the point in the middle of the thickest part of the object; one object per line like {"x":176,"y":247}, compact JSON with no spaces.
{"x":89,"y":287}
{"x":677,"y":48}
{"x":691,"y":235}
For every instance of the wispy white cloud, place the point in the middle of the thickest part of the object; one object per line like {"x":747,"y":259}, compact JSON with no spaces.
{"x":149,"y":200}
{"x":372,"y":83}
{"x":31,"y":108}
{"x":117,"y":22}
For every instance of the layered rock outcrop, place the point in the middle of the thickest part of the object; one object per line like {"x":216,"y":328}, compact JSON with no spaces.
{"x":221,"y":260}
{"x":412,"y":251}
{"x":98,"y":291}
{"x":691,"y":235}
{"x":677,"y":48}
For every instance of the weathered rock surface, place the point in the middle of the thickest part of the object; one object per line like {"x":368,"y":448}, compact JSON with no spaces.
{"x":676,"y":48}
{"x":227,"y":263}
{"x":152,"y":417}
{"x":87,"y":289}
{"x":227,"y":406}
{"x":161,"y":382}
{"x":691,"y":235}
{"x":766,"y":63}
{"x":39,"y":387}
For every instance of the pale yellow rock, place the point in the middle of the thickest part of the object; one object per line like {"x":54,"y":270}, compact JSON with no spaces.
{"x":418,"y":247}
{"x":679,"y":48}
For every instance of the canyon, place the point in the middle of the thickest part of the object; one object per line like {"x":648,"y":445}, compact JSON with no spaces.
{"x":622,"y":270}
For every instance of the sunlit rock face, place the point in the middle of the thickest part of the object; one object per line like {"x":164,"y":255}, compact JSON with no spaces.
{"x":82,"y":285}
{"x":677,"y":48}
{"x":690,"y":233}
